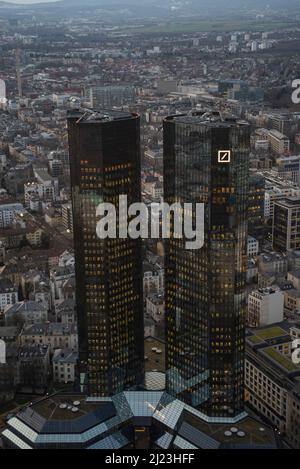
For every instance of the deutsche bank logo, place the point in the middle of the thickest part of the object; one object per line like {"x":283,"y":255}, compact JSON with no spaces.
{"x":224,"y":156}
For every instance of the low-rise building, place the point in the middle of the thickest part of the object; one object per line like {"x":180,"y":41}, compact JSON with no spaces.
{"x":9,"y":334}
{"x":294,"y":278}
{"x":8,"y":213}
{"x":65,"y":311}
{"x":265,"y":307}
{"x":273,"y":263}
{"x":8,"y":294}
{"x":155,"y":306}
{"x":286,"y":224}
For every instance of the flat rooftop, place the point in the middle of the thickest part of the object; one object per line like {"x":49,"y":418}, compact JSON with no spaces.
{"x":59,"y":407}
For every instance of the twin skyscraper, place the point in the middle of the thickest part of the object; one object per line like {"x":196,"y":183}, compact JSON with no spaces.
{"x":206,"y":159}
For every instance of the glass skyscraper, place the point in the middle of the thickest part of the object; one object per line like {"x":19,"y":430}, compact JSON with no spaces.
{"x":205,"y":300}
{"x":105,"y":163}
{"x":256,"y":208}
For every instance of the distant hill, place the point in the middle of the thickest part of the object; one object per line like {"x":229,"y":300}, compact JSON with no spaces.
{"x":194,"y":5}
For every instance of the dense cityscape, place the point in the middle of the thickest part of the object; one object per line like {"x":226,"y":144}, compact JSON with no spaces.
{"x":126,"y":343}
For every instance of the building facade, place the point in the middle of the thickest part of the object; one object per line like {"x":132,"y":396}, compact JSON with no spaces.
{"x":256,"y":208}
{"x":105,"y":163}
{"x":280,"y":144}
{"x":265,"y":307}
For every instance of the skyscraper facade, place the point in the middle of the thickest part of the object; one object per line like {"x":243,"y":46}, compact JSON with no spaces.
{"x":206,"y":161}
{"x":105,"y":163}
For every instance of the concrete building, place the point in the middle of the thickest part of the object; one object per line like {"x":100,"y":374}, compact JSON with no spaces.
{"x":34,"y":368}
{"x":153,"y":278}
{"x":35,"y":193}
{"x":292,"y":299}
{"x":60,"y":278}
{"x":130,"y":420}
{"x":8,"y":294}
{"x":265,"y":307}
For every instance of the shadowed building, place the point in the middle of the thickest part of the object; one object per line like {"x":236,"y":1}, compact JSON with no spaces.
{"x":205,"y":300}
{"x":105,"y":163}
